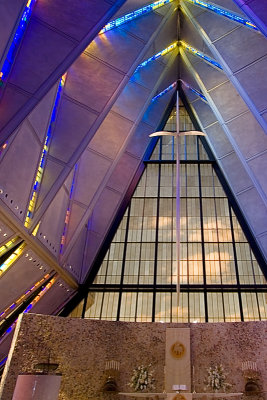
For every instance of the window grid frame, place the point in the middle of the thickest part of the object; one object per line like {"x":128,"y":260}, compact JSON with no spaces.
{"x":189,"y":288}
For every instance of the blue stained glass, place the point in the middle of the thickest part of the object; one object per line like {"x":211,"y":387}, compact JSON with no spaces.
{"x":28,"y":308}
{"x":197,"y":93}
{"x":156,"y":56}
{"x":134,"y":14}
{"x":197,"y":53}
{"x":73,"y":180}
{"x":225,"y":13}
{"x":44,"y":152}
{"x":68,"y":210}
{"x":17,"y":39}
{"x":3,"y":362}
{"x":164,"y":91}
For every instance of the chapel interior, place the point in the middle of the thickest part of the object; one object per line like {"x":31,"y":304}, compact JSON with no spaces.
{"x":133,"y":266}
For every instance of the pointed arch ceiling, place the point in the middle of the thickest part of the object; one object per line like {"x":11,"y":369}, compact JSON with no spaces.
{"x":65,"y":170}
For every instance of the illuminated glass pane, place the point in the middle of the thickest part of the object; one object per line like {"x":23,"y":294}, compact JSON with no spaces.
{"x":215,"y":307}
{"x":137,"y":206}
{"x":183,"y":271}
{"x":156,"y":152}
{"x":171,"y":123}
{"x":226,"y":251}
{"x":152,"y":181}
{"x":192,"y":181}
{"x":191,"y":147}
{"x":116,"y":251}
{"x":165,"y":207}
{"x":193,"y":220}
{"x":135,"y":229}
{"x":202,"y":152}
{"x":131,"y":271}
{"x":262,"y":299}
{"x":165,"y":229}
{"x":77,"y":312}
{"x":164,"y":272}
{"x":120,"y":233}
{"x":228,"y":272}
{"x":250,"y":306}
{"x":167,"y":182}
{"x":150,"y":209}
{"x":163,"y":307}
{"x":183,"y":221}
{"x":167,"y":150}
{"x":94,"y":311}
{"x":183,"y":181}
{"x":196,"y":307}
{"x":128,"y":306}
{"x":182,"y":148}
{"x":218,"y":189}
{"x":114,"y":272}
{"x":207,"y":184}
{"x":185,"y":123}
{"x":144,"y":307}
{"x":245,"y":270}
{"x":148,"y":257}
{"x":149,"y":229}
{"x":213,"y":272}
{"x":110,"y":306}
{"x":259,"y":277}
{"x":146,"y":272}
{"x":147,"y":252}
{"x":238,"y":232}
{"x":133,"y":251}
{"x":231,"y":307}
{"x":181,"y":313}
{"x":165,"y":251}
{"x":101,"y":275}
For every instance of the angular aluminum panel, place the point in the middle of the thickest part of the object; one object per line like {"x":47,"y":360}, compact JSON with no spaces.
{"x":20,"y":277}
{"x":50,"y":45}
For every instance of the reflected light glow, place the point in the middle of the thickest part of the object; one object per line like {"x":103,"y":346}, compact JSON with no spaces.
{"x":7,"y":245}
{"x":21,"y":298}
{"x":35,"y":300}
{"x":12,"y":258}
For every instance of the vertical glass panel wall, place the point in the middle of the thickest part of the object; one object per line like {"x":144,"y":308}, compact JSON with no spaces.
{"x":219,"y":275}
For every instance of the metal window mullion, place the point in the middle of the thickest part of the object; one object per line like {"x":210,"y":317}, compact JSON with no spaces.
{"x":156,"y":247}
{"x":123,"y":261}
{"x":236,"y":266}
{"x":202,"y":245}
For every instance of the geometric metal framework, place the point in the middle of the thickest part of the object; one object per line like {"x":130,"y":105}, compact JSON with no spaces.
{"x":72,"y":151}
{"x":221,"y":279}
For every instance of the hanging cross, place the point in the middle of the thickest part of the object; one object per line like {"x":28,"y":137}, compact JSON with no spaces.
{"x":177,"y":134}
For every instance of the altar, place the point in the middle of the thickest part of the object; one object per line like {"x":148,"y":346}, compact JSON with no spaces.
{"x":173,"y":395}
{"x":179,"y":374}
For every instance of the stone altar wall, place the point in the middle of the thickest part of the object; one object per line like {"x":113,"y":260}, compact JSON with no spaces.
{"x":82,"y":347}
